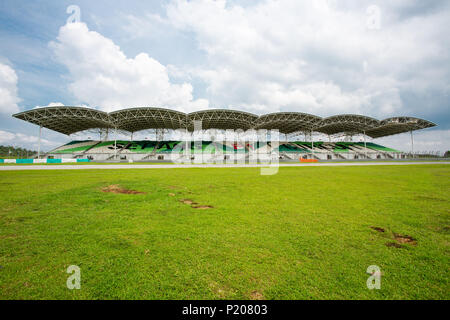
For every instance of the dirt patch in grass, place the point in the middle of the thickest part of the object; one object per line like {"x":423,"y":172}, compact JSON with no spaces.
{"x":172,"y":194}
{"x":378,"y":229}
{"x":188,"y":201}
{"x":195,"y":205}
{"x":115,"y":188}
{"x":256,"y":295}
{"x":393,"y":244}
{"x":202,"y":207}
{"x":405,"y":239}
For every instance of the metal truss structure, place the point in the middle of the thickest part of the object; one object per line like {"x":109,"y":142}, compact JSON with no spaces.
{"x":69,"y":120}
{"x":288,"y":122}
{"x":221,"y":119}
{"x":347,"y":123}
{"x":138,"y":119}
{"x":397,"y":125}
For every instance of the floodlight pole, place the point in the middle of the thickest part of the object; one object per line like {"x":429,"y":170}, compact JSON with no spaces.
{"x":412,"y":145}
{"x":39,"y":142}
{"x":131,"y":136}
{"x":312,"y":144}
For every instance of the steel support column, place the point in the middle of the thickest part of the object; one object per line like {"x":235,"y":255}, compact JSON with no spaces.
{"x":115,"y":143}
{"x":39,"y":142}
{"x":365,"y":144}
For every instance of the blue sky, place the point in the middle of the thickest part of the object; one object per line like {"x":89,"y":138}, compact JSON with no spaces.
{"x":325,"y":57}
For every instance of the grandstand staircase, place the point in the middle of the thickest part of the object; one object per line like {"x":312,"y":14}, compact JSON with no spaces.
{"x":388,"y":155}
{"x":296,"y":146}
{"x":82,"y":154}
{"x":360,"y":151}
{"x":153,"y":153}
{"x":93,"y":146}
{"x":340,"y":156}
{"x":287,"y":156}
{"x":125,"y":148}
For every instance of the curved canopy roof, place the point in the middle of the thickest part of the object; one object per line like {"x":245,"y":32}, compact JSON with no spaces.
{"x":222,"y":119}
{"x":348,"y":123}
{"x":137,"y":119}
{"x":68,"y":120}
{"x":397,"y":125}
{"x":287,"y":122}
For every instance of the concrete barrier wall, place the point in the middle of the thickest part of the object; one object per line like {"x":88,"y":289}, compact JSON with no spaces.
{"x":31,"y":161}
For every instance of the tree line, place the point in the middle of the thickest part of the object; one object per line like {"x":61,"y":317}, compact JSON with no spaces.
{"x":16,"y":152}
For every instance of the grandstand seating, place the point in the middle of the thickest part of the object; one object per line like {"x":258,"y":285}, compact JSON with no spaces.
{"x":107,"y":147}
{"x":377,"y":147}
{"x":290,"y":148}
{"x":75,"y":146}
{"x":341,"y":150}
{"x":167,"y":146}
{"x":342,"y":147}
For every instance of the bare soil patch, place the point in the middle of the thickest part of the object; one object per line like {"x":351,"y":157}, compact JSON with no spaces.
{"x":378,"y":229}
{"x":202,"y":207}
{"x":393,"y":244}
{"x":115,"y":188}
{"x":405,"y":239}
{"x":195,"y":205}
{"x":256,"y":295}
{"x":188,"y":201}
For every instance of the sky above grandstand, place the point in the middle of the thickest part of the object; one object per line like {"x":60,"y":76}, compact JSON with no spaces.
{"x":325,"y":57}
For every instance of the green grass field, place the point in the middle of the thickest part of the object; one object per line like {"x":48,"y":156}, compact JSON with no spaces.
{"x":304,"y":233}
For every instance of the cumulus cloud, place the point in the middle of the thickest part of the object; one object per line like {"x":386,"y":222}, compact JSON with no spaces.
{"x":51,"y":104}
{"x":424,"y":141}
{"x":24,"y":140}
{"x":321,"y":57}
{"x":8,"y":90}
{"x":103,"y":76}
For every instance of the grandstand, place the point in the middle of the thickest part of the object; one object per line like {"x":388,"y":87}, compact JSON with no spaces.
{"x":291,"y":125}
{"x":211,"y":150}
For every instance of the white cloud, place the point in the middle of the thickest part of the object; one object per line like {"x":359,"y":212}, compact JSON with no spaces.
{"x":424,"y":141}
{"x":51,"y":104}
{"x":314,"y":56}
{"x":151,"y":25}
{"x":8,"y":90}
{"x":102,"y":76}
{"x":26,"y":141}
